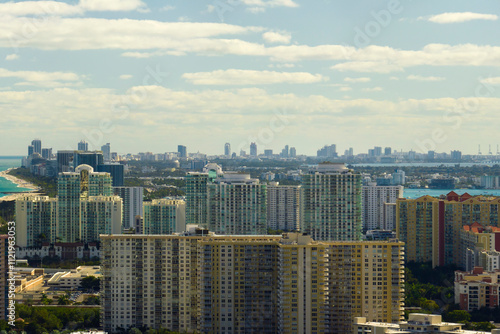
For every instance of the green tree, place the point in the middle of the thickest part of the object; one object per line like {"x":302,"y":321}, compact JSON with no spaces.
{"x":457,"y":316}
{"x":63,"y":300}
{"x":90,"y":283}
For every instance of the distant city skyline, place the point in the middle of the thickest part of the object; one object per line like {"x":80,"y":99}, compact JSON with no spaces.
{"x":222,"y":150}
{"x":150,"y":75}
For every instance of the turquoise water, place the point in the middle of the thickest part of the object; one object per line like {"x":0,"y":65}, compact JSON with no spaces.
{"x":416,"y":193}
{"x":5,"y":185}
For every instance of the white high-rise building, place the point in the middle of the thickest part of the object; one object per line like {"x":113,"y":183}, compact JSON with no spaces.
{"x":132,"y":203}
{"x":35,"y":220}
{"x":374,"y":198}
{"x":283,"y":207}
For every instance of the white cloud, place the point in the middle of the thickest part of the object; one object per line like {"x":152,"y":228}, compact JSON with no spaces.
{"x":167,"y":8}
{"x":373,"y":89}
{"x":256,"y":10}
{"x":148,"y":38}
{"x":259,"y":6}
{"x":363,"y":79}
{"x":154,"y":110}
{"x":459,"y":17}
{"x":113,"y":5}
{"x":126,"y":76}
{"x":422,"y":78}
{"x":93,"y":33}
{"x":12,"y":57}
{"x":394,"y":78}
{"x":367,"y":67}
{"x":57,"y":8}
{"x":249,"y":77}
{"x":33,"y":76}
{"x":345,"y":89}
{"x":39,"y":8}
{"x":276,"y":37}
{"x":491,"y":81}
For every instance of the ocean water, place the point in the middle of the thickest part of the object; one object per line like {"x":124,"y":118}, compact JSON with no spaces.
{"x":416,"y":193}
{"x":5,"y":185}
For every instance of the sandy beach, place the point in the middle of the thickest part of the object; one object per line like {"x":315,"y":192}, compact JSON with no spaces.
{"x":20,"y":184}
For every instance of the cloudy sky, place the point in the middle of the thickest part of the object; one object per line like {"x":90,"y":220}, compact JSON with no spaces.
{"x":149,"y":75}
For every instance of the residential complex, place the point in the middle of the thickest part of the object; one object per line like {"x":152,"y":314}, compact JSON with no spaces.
{"x":226,"y":203}
{"x":284,"y":207}
{"x":417,"y":323}
{"x":132,"y":198}
{"x":239,"y":284}
{"x":476,"y":238}
{"x":477,"y":289}
{"x":431,"y":226}
{"x":164,"y":216}
{"x":36,"y":218}
{"x":332,"y":203}
{"x":84,"y":209}
{"x":375,"y":199}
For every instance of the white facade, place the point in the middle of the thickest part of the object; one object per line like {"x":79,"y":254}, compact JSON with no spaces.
{"x":283,"y":207}
{"x":374,"y":200}
{"x":132,"y":204}
{"x":490,"y":182}
{"x":35,"y":216}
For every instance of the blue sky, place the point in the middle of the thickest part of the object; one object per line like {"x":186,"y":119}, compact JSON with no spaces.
{"x":149,"y":75}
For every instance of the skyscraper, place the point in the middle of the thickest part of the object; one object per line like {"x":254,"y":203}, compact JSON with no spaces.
{"x":236,"y":205}
{"x":248,"y":284}
{"x":227,"y":150}
{"x":285,"y":152}
{"x":293,"y":152}
{"x":93,"y":159}
{"x":253,"y":149}
{"x":284,"y":207}
{"x":196,"y":198}
{"x":387,"y":151}
{"x":182,"y":150}
{"x":83,"y":146}
{"x":37,"y":146}
{"x":374,"y":200}
{"x":36,"y":220}
{"x":132,"y":198}
{"x":46,"y":153}
{"x":164,"y":216}
{"x":332,"y":203}
{"x":31,"y":150}
{"x":117,"y":172}
{"x":328,"y":151}
{"x":65,"y":161}
{"x":71,"y":189}
{"x":106,"y":152}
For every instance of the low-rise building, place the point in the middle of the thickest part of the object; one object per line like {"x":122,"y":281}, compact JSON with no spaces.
{"x":71,"y":280}
{"x":417,"y":323}
{"x":476,"y":289}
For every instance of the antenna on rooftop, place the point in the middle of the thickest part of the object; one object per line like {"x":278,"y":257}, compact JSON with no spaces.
{"x":479,"y":150}
{"x":489,"y":150}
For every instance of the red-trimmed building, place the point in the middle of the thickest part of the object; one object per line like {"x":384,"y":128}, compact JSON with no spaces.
{"x":476,"y":289}
{"x":431,"y":226}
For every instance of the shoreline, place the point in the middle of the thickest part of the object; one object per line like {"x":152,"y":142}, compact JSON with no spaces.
{"x":32,"y":189}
